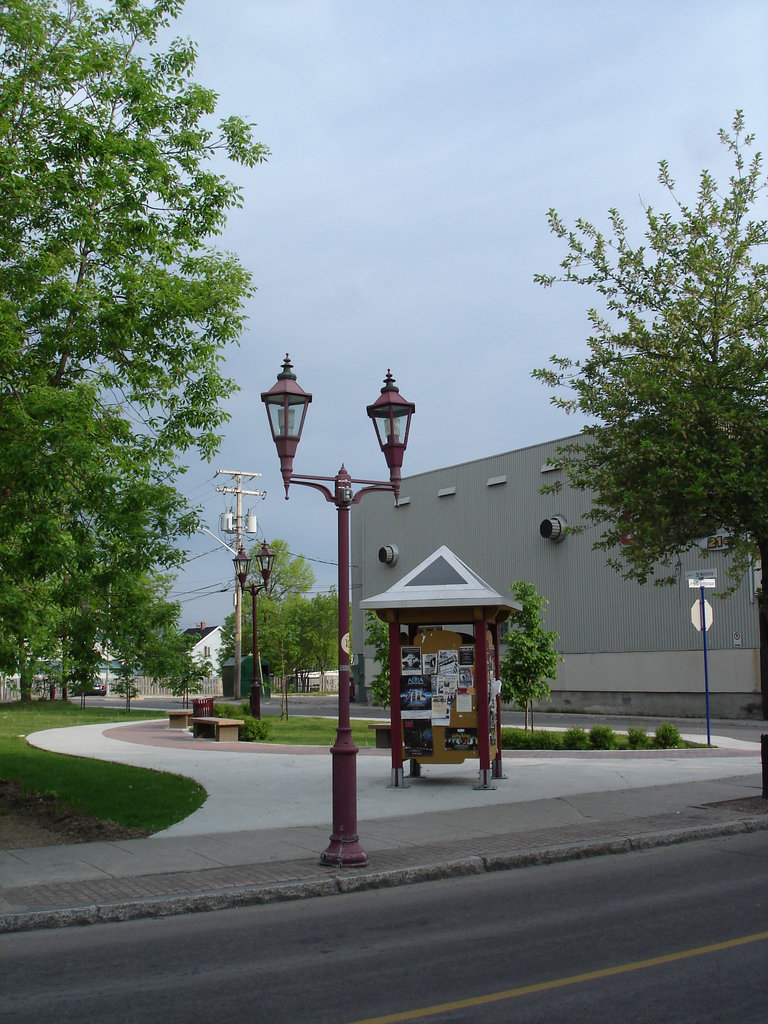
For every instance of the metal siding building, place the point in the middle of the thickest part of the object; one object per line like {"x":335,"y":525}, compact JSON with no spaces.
{"x":627,"y":648}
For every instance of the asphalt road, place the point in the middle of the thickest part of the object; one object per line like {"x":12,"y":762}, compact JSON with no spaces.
{"x":677,"y":934}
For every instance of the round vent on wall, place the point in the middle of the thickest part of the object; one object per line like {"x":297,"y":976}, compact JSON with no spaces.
{"x":553,"y":529}
{"x":388,"y":554}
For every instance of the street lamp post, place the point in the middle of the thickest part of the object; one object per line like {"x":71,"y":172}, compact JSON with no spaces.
{"x":242,"y":563}
{"x":287,"y":404}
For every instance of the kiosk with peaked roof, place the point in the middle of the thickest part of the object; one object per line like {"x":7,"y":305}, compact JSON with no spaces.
{"x":443,"y":663}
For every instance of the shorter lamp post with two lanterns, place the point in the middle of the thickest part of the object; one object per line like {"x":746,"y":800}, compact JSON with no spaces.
{"x":287,"y":404}
{"x":242,"y":564}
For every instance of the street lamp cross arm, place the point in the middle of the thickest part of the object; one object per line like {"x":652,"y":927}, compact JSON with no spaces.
{"x":314,"y":481}
{"x":344,"y":482}
{"x":376,"y":486}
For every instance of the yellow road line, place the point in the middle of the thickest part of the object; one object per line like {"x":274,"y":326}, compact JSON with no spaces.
{"x":574,"y":979}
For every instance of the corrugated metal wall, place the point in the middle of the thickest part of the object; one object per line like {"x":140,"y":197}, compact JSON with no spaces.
{"x":489,"y":511}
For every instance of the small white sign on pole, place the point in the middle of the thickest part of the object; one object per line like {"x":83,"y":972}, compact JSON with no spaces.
{"x":702,"y":578}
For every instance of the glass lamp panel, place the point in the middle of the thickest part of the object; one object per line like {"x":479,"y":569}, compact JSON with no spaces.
{"x":242,"y":564}
{"x":266,"y":560}
{"x":286,"y":416}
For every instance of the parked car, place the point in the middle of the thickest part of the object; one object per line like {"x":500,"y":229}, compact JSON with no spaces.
{"x":98,"y":688}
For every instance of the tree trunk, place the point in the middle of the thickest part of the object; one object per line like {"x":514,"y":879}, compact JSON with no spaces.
{"x":25,"y":682}
{"x":762,"y":606}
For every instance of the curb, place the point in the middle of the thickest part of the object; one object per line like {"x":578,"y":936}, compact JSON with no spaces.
{"x":337,"y":884}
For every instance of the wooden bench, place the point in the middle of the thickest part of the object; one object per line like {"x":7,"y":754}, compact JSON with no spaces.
{"x":383,"y":734}
{"x":179,"y":719}
{"x":220,"y":729}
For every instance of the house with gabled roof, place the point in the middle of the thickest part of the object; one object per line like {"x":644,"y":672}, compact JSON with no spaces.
{"x":208,"y":641}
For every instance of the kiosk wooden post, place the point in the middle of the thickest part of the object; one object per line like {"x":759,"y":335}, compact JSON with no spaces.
{"x":395,"y":718}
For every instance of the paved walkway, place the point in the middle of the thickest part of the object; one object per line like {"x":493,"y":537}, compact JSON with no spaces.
{"x":267,"y":818}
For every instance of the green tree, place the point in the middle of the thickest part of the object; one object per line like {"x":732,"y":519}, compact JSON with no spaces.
{"x":280,"y":640}
{"x":675,"y":385}
{"x":319,"y":633}
{"x":114,"y":307}
{"x":144,"y":632}
{"x":124,"y":683}
{"x":530,"y":659}
{"x":377,"y":636}
{"x":291,"y":575}
{"x":188,"y":675}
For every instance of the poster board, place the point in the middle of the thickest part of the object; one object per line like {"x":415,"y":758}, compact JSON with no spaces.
{"x":438,"y":698}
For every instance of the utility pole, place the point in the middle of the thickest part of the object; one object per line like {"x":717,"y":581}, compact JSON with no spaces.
{"x":238,"y":529}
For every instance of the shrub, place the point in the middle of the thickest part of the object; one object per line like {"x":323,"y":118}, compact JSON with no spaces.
{"x":575,"y":739}
{"x":254,"y":730}
{"x":637,"y":738}
{"x":229,"y":710}
{"x":548,"y":740}
{"x":515,"y":739}
{"x":667,"y":736}
{"x":522,"y":739}
{"x":602,"y":737}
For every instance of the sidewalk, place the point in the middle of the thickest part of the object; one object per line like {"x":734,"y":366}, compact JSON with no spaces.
{"x":267,"y":818}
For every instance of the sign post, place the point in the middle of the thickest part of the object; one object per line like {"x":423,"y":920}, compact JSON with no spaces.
{"x":702,"y":618}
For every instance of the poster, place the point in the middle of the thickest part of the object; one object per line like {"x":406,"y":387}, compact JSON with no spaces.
{"x":466,"y":656}
{"x":416,"y":695}
{"x":464,"y":703}
{"x":446,"y":685}
{"x":461,"y":739}
{"x":410,"y":661}
{"x":441,"y":709}
{"x":448,"y":664}
{"x":417,"y":737}
{"x":429,"y":663}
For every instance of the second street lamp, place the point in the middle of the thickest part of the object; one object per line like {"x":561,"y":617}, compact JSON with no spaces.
{"x":266,"y":560}
{"x":287,"y":404}
{"x":242,"y":563}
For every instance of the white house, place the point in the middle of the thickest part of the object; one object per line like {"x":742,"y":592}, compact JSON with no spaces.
{"x":207,"y":644}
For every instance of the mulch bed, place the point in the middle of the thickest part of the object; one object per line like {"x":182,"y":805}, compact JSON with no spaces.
{"x":28,"y":819}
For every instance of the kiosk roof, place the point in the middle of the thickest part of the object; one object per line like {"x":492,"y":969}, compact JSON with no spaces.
{"x":440,"y":583}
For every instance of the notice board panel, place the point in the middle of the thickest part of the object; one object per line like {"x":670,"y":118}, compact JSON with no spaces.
{"x":438,"y":698}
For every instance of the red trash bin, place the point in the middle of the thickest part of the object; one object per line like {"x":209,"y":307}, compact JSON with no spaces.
{"x":202,"y":707}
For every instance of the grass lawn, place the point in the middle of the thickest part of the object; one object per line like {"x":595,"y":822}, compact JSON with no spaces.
{"x":111,"y":792}
{"x":320,"y":732}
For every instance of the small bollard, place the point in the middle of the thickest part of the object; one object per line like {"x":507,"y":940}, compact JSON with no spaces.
{"x":764,"y":756}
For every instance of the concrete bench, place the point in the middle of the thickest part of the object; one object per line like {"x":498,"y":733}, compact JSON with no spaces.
{"x":383,"y":734}
{"x":220,"y":729}
{"x":179,"y":719}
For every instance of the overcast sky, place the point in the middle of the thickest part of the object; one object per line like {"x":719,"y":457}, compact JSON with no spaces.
{"x":416,"y":148}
